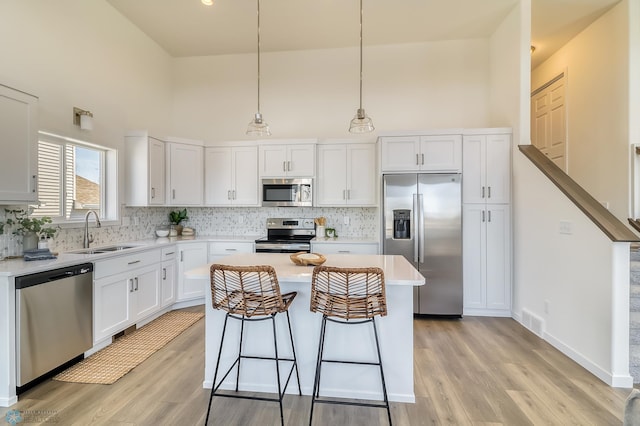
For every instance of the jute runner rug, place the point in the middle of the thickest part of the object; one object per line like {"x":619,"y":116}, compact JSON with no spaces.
{"x":111,"y":363}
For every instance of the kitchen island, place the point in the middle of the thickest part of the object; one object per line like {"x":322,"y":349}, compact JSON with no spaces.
{"x":354,"y":343}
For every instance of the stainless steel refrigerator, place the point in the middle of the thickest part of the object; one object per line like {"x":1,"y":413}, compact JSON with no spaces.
{"x":423,"y":222}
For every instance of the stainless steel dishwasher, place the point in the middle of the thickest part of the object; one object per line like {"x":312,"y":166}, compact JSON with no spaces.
{"x":54,"y":321}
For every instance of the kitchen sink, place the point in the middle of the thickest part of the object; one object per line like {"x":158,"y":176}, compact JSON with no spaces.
{"x":99,"y":250}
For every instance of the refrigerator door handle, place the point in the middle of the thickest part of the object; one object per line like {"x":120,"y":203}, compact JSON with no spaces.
{"x":416,"y":235}
{"x":422,"y":230}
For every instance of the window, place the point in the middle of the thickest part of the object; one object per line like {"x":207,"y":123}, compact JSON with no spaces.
{"x":73,"y":178}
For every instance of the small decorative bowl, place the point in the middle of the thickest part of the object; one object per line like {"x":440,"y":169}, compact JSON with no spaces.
{"x":305,"y":259}
{"x":162,"y":231}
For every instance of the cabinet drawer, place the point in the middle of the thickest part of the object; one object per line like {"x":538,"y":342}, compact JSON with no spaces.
{"x":230,"y":247}
{"x":169,"y":253}
{"x":125,"y":263}
{"x":345,"y":248}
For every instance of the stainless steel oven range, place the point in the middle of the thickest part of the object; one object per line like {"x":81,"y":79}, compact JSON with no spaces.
{"x":287,"y":235}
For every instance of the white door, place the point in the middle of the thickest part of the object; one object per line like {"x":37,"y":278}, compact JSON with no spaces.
{"x":186,"y":175}
{"x":498,"y":280}
{"x":441,"y":153}
{"x":191,"y":256}
{"x":474,"y":233}
{"x":498,"y":169}
{"x":399,"y":153}
{"x":111,"y":304}
{"x":156,"y":172}
{"x":549,"y":121}
{"x":168,"y":290}
{"x":217,"y":173}
{"x":273,"y":160}
{"x":301,"y":160}
{"x":245,"y":176}
{"x":332,"y":175}
{"x":473,"y":164}
{"x":146,"y":291}
{"x":361,"y":174}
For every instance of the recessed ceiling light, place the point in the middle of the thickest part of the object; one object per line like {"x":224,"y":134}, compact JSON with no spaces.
{"x":207,"y":2}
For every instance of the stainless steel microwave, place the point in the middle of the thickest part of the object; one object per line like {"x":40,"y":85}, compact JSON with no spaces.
{"x":287,"y":192}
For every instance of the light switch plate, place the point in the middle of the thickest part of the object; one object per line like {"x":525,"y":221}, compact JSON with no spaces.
{"x":565,"y":227}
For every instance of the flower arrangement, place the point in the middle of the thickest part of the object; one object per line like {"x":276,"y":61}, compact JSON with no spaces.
{"x":178,"y":216}
{"x":26,"y":224}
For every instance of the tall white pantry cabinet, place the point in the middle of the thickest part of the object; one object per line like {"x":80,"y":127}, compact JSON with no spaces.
{"x":486,"y":235}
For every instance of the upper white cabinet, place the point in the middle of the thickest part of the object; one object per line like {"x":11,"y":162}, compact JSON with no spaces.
{"x":145,"y":170}
{"x":294,"y":159}
{"x":185,"y":174}
{"x":19,"y":145}
{"x":346,"y":174}
{"x":430,"y":153}
{"x":231,"y":176}
{"x":487,"y":169}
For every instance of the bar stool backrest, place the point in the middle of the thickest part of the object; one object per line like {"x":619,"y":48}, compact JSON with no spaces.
{"x":348,"y":293}
{"x":246,"y":290}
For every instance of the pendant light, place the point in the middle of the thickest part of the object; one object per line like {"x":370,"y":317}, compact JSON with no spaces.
{"x":257,"y":127}
{"x":361,"y":123}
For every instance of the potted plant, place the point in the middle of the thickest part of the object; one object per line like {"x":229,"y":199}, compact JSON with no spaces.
{"x":32,"y":229}
{"x":175,"y":217}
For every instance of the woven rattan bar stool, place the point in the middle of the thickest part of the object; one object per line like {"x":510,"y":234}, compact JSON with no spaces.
{"x":250,"y":293}
{"x":343,"y":295}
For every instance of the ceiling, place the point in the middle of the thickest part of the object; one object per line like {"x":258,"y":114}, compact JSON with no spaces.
{"x":189,"y":28}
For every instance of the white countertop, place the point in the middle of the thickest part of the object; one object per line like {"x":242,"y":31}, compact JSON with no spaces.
{"x":14,"y":267}
{"x":397,"y":270}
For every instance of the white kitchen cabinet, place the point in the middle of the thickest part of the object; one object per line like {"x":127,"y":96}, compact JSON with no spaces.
{"x":288,"y":160}
{"x":220,"y":249}
{"x":191,"y":256}
{"x":19,"y":145}
{"x":332,"y":247}
{"x":145,"y":169}
{"x":168,"y":272}
{"x":486,"y":241}
{"x":231,"y":176}
{"x":486,"y":169}
{"x":185,"y":174}
{"x":126,"y":290}
{"x":347,"y":175}
{"x":428,"y":153}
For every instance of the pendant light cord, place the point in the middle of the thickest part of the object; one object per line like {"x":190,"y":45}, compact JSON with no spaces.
{"x":360,"y":54}
{"x":259,"y":55}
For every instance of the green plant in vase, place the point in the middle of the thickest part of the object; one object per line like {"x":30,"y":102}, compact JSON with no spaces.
{"x":31,"y":229}
{"x":175,"y":217}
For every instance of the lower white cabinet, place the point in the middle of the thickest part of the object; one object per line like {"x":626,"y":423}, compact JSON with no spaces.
{"x":168,"y":276}
{"x":323,"y":247}
{"x":124,"y":298}
{"x":220,"y":249}
{"x":190,"y":256}
{"x":486,"y":240}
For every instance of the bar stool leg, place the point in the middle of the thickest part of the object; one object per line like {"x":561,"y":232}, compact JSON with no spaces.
{"x":240,"y":352}
{"x":316,"y":380}
{"x":295,"y":359}
{"x":215,"y":374}
{"x":275,"y":348}
{"x":384,"y":386}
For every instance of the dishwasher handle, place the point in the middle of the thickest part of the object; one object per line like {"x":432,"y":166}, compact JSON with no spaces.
{"x":44,"y":277}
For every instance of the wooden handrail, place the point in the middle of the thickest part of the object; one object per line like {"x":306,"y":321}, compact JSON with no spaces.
{"x":599,"y":215}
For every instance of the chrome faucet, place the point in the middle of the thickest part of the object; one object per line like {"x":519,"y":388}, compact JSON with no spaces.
{"x":89,"y":238}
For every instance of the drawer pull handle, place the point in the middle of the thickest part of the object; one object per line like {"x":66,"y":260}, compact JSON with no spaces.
{"x":344,"y":251}
{"x":230,"y":249}
{"x":133,"y":262}
{"x":170,"y":253}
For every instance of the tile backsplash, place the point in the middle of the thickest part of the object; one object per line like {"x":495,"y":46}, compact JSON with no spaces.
{"x":362,"y":222}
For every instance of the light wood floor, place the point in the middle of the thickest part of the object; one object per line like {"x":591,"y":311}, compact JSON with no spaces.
{"x":470,"y":371}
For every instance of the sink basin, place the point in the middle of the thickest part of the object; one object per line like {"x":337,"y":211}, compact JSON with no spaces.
{"x":99,"y":250}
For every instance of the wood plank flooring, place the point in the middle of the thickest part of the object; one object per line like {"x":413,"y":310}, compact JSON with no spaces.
{"x":473,"y":371}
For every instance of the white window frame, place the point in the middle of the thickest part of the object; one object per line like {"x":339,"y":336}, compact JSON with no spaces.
{"x":109,"y":213}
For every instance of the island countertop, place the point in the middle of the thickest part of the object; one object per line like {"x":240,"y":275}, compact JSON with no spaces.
{"x":397,"y":270}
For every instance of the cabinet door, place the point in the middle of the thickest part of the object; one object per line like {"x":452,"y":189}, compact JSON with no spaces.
{"x":157,"y":166}
{"x":273,"y":160}
{"x":498,"y":169}
{"x":19,"y":145}
{"x":218,"y":176}
{"x":441,"y":153}
{"x":146,"y":291}
{"x":301,"y":160}
{"x":331,"y":187}
{"x":399,"y":153}
{"x":186,"y":175}
{"x":191,"y":256}
{"x":111,"y":305}
{"x":498,"y":257}
{"x":362,"y":188}
{"x":474,"y":233}
{"x":473,"y":166}
{"x":245,"y":176}
{"x":168,"y":290}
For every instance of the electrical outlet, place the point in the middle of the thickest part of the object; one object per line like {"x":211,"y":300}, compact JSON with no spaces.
{"x":240,"y":219}
{"x":565,"y":227}
{"x":345,"y":220}
{"x":126,"y":221}
{"x":136,"y":221}
{"x":546,"y":306}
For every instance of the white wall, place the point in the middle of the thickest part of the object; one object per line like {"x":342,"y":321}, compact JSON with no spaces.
{"x":85,"y":54}
{"x":597,"y":63}
{"x":315,"y":93}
